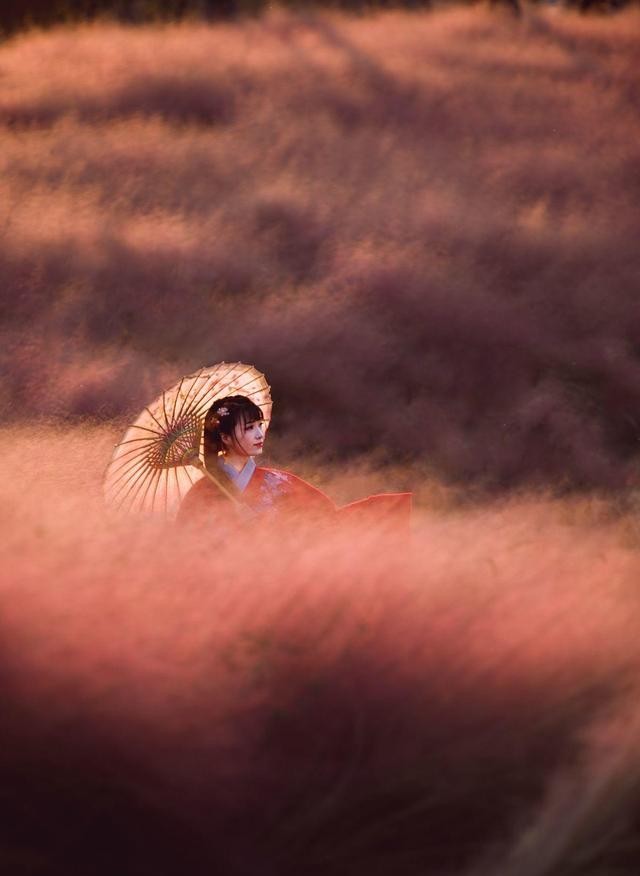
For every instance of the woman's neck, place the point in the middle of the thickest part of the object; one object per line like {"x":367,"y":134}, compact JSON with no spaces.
{"x":235,"y":460}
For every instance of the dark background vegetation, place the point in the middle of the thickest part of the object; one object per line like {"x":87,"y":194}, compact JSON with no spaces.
{"x":15,"y":14}
{"x":423,"y":228}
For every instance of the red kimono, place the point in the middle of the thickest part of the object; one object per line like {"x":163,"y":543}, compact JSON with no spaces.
{"x":272,"y":493}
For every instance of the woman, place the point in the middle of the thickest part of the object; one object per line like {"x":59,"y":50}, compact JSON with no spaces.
{"x":234,"y":436}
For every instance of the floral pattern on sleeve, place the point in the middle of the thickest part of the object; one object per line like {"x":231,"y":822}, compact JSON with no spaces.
{"x":275,"y":486}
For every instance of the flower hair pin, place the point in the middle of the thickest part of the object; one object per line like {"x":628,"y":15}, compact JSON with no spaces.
{"x":222,"y":412}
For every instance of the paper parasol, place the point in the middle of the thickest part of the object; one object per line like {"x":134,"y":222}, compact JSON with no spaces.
{"x":161,"y":455}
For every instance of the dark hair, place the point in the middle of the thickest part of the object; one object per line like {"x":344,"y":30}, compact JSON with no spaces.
{"x":221,"y":420}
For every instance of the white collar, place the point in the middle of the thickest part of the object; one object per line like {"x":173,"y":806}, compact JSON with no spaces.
{"x":240,"y":479}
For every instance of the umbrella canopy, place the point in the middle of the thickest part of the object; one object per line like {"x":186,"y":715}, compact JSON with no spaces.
{"x":161,"y":455}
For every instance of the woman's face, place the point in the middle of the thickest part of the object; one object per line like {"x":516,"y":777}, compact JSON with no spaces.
{"x":249,"y":438}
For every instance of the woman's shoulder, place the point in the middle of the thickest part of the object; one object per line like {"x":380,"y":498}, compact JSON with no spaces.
{"x":198,"y":501}
{"x":202,"y":488}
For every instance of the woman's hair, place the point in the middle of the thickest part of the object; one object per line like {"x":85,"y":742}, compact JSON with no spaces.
{"x":221,"y":420}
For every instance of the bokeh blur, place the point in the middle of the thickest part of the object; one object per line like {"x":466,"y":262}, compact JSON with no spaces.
{"x":423,"y":226}
{"x":423,"y":229}
{"x":277,"y":701}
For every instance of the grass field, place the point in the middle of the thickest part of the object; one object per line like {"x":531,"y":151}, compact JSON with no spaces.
{"x":434,"y":216}
{"x":423,"y":228}
{"x":286,"y":702}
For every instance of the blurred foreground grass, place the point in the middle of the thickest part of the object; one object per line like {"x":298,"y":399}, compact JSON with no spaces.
{"x":300,"y":702}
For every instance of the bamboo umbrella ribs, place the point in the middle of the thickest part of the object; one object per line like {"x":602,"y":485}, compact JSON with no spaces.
{"x":160,"y":456}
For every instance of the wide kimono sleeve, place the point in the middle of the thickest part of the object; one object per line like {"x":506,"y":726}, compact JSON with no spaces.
{"x":387,"y":512}
{"x":275,"y":492}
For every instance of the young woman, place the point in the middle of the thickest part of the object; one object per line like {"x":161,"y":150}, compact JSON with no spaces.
{"x":234,"y":436}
